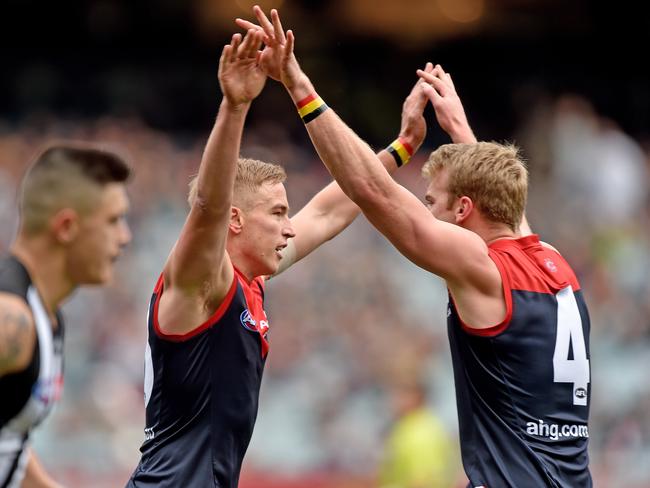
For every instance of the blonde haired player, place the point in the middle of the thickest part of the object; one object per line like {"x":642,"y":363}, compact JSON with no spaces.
{"x":518,"y":324}
{"x":208,"y":330}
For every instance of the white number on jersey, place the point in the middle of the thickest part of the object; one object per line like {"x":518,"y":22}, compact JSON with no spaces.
{"x":569,"y":331}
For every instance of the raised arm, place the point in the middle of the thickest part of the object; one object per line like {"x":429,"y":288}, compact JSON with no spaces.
{"x":330,"y":211}
{"x":444,"y":249}
{"x":198,"y":266}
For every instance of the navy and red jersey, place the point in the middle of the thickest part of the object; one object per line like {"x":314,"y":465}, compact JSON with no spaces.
{"x":201,"y":392}
{"x":523,"y":386}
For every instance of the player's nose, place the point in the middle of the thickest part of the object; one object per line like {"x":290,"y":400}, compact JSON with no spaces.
{"x":125,"y":235}
{"x":288,"y":231}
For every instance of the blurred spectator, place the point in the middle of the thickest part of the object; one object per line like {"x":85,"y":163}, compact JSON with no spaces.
{"x":419,"y":452}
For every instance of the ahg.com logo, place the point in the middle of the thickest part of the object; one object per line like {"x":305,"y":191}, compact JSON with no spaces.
{"x":555,"y":431}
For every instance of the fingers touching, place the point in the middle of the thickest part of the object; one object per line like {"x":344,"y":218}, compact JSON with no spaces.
{"x":241,"y":49}
{"x":437,"y":83}
{"x":272,"y":29}
{"x":250,"y":45}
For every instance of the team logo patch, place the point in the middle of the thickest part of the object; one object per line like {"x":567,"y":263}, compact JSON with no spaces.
{"x":550,"y":265}
{"x":248,"y":321}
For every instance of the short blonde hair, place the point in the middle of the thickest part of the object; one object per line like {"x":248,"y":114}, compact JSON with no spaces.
{"x":67,"y":175}
{"x":493,"y":175}
{"x":251,"y":174}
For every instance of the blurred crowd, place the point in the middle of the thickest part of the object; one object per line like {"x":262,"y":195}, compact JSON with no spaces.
{"x":355,"y":320}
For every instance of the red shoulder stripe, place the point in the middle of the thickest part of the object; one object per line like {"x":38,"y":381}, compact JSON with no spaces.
{"x":507,"y":295}
{"x":214,"y":318}
{"x":533,"y":267}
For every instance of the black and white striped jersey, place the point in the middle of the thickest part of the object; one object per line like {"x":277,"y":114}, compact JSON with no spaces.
{"x":27,"y":396}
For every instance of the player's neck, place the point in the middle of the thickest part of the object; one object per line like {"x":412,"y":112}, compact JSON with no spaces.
{"x":240,"y":264}
{"x":491,"y":231}
{"x":240,"y":259}
{"x":46,"y":267}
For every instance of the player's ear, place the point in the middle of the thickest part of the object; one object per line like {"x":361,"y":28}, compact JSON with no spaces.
{"x":64,"y":225}
{"x":236,"y":220}
{"x":464,"y":208}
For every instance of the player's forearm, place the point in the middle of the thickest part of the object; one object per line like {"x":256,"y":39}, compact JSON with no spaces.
{"x":332,"y":205}
{"x":219,"y":162}
{"x":462,"y":134}
{"x":350,"y":160}
{"x":327,"y":214}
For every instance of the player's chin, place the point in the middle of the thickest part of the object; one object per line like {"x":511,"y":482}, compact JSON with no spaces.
{"x":271,"y":267}
{"x":103,"y":276}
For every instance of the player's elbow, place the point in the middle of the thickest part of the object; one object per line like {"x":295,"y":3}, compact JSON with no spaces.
{"x":204,"y":205}
{"x":363,"y":192}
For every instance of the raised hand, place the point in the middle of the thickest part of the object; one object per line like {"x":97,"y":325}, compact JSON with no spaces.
{"x":240,"y":75}
{"x":277,"y":59}
{"x":414,"y":127}
{"x":440,"y":90}
{"x":274,"y":40}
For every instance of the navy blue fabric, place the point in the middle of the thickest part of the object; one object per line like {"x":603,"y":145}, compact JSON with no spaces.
{"x":203,"y":404}
{"x":505,"y":387}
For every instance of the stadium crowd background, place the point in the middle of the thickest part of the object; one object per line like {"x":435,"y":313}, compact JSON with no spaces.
{"x":355,"y":318}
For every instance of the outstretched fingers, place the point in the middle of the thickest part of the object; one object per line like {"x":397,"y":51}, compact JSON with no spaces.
{"x":278,"y":30}
{"x":246,"y":25}
{"x":232,"y":48}
{"x":251,"y":44}
{"x":288,"y":47}
{"x":265,"y":23}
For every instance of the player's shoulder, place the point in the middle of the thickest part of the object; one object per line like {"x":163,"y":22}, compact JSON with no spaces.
{"x":534,"y":265}
{"x":548,"y":246}
{"x":558,"y":266}
{"x":17,"y":333}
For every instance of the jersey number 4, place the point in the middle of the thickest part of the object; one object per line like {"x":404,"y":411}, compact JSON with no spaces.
{"x":570,"y":336}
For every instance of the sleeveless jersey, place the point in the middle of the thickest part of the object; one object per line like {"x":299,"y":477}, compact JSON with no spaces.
{"x":201,"y":392}
{"x":27,"y":396}
{"x":522,"y":386}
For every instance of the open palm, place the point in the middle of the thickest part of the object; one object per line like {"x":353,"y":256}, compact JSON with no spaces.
{"x":240,"y":74}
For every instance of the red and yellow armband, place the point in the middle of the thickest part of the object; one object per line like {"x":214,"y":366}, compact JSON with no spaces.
{"x":311,"y":107}
{"x":401,"y":151}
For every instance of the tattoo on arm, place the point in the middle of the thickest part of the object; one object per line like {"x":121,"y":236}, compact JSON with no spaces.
{"x":14,"y":334}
